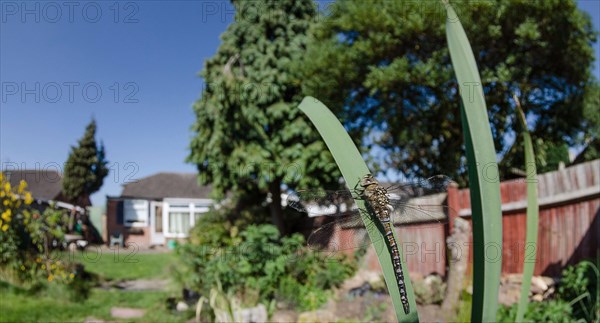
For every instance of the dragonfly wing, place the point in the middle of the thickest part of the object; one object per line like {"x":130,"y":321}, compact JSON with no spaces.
{"x":342,"y":233}
{"x":320,"y":202}
{"x":432,"y":185}
{"x":407,"y":213}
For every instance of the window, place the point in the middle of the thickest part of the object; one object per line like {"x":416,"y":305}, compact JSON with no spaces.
{"x":135,"y":213}
{"x":181,"y":215}
{"x":179,"y":222}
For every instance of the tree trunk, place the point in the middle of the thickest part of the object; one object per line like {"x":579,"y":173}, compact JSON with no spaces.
{"x":275,"y":206}
{"x":458,"y":266}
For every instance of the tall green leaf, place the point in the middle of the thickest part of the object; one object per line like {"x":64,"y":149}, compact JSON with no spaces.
{"x":532,"y":215}
{"x":353,"y":168}
{"x":484,"y":182}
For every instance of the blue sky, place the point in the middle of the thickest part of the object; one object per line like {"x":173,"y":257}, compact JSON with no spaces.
{"x":144,"y":58}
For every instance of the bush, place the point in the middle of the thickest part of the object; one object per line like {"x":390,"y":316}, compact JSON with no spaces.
{"x":26,"y":239}
{"x":257,"y":265}
{"x":430,"y":290}
{"x":577,"y":299}
{"x":579,"y":287}
{"x":548,"y":311}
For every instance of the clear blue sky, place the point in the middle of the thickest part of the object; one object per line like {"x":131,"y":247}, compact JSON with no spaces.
{"x":151,"y":51}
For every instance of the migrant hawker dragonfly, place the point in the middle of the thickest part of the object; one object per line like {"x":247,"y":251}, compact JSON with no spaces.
{"x":389,"y":206}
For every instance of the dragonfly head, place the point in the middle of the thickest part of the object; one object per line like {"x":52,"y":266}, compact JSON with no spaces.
{"x":368,"y":180}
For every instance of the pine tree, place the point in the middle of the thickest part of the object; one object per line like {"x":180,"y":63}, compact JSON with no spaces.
{"x":85,"y":169}
{"x":250,"y":135}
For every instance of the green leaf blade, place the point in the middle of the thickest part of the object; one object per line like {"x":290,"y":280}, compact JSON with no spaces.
{"x":531,"y":235}
{"x":483,"y":174}
{"x":353,"y":168}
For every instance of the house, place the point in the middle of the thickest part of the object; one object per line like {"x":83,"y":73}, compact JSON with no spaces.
{"x":157,"y":208}
{"x":45,"y":186}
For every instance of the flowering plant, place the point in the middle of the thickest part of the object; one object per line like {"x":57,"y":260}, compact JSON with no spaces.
{"x":27,"y":237}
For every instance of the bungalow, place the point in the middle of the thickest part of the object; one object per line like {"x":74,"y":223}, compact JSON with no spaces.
{"x":157,"y":208}
{"x":45,"y":187}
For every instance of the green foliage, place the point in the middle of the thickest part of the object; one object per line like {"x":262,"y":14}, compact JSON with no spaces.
{"x":430,"y":290}
{"x":85,"y":168}
{"x":579,"y":285}
{"x":257,"y":265}
{"x":26,"y":240}
{"x":353,"y":168}
{"x":249,"y":136}
{"x":375,"y":310}
{"x":465,"y":306}
{"x":548,"y":311}
{"x":576,"y":300}
{"x":484,"y":187}
{"x":531,"y":236}
{"x":383,"y":67}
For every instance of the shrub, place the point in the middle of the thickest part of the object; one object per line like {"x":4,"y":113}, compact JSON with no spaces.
{"x":257,"y":265}
{"x":577,"y":299}
{"x":26,"y":239}
{"x":547,"y":311}
{"x":579,"y":287}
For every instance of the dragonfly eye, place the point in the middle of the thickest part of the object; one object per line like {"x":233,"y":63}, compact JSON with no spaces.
{"x":368,"y":180}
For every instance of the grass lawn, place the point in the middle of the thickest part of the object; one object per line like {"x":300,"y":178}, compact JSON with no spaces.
{"x":53,"y":304}
{"x":123,"y":264}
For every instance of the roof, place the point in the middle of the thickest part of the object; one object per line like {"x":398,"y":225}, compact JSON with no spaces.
{"x":165,"y":185}
{"x":43,"y":184}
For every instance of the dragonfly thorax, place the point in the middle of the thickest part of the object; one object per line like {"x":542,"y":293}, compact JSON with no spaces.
{"x":377,"y":197}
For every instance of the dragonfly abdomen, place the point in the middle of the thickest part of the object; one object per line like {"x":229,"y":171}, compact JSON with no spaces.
{"x":397,"y":266}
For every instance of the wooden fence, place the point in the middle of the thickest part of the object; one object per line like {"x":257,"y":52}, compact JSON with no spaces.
{"x":569,"y":225}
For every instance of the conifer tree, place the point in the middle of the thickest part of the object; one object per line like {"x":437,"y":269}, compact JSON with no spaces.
{"x":250,"y":137}
{"x":85,"y":169}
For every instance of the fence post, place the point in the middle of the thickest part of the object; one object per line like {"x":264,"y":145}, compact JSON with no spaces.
{"x":453,"y":205}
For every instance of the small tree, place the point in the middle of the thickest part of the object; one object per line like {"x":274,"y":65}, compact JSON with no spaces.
{"x":85,"y":169}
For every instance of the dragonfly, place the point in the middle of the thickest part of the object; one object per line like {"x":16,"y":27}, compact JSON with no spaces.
{"x":389,"y":206}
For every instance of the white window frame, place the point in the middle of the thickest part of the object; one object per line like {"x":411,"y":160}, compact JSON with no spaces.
{"x":192,"y":206}
{"x":141,"y":209}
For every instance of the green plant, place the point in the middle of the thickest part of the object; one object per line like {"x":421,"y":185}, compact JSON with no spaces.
{"x":26,"y":239}
{"x":532,"y":212}
{"x":382,"y":67}
{"x":375,"y":310}
{"x":430,"y":290}
{"x":547,"y":311}
{"x":249,"y":136}
{"x":464,"y":310}
{"x":580,"y":286}
{"x":353,"y":168}
{"x":257,"y":265}
{"x":225,"y":306}
{"x":484,"y":181}
{"x":85,"y":169}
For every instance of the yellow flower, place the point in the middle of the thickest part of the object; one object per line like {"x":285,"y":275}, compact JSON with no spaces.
{"x":38,"y":260}
{"x":22,"y":268}
{"x":28,"y":198}
{"x":6,"y":215}
{"x":22,"y":186}
{"x":1,"y":177}
{"x":2,"y":194}
{"x":71,"y":275}
{"x":6,"y":202}
{"x":53,"y":266}
{"x":5,"y":227}
{"x":44,"y":267}
{"x":50,"y":277}
{"x":7,"y":187}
